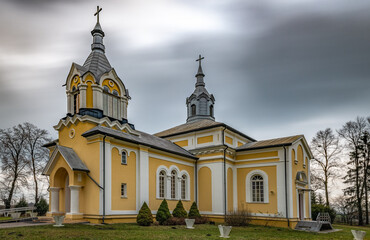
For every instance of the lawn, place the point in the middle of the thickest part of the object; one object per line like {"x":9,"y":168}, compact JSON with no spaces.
{"x":133,"y":231}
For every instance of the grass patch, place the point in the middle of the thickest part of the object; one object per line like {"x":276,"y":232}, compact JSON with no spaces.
{"x":5,"y":218}
{"x":133,"y":231}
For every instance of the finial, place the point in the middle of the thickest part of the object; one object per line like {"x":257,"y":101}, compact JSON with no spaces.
{"x":97,"y":13}
{"x":199,"y":59}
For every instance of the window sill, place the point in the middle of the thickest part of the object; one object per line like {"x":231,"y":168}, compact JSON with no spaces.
{"x":123,"y":197}
{"x":258,"y":202}
{"x":123,"y":163}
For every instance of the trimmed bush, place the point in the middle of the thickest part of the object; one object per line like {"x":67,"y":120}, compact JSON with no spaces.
{"x":174,"y":221}
{"x":179,"y":211}
{"x":194,"y":212}
{"x":145,"y":217}
{"x":42,"y":207}
{"x":163,"y":212}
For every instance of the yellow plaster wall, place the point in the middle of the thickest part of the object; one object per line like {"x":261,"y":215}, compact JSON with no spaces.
{"x":111,"y":88}
{"x":154,"y":203}
{"x":182,"y":143}
{"x":123,"y":173}
{"x":75,"y":82}
{"x":205,"y":139}
{"x":229,"y":140}
{"x":90,"y":155}
{"x":89,"y":96}
{"x":297,"y":168}
{"x":270,"y":207}
{"x":205,"y":189}
{"x":239,"y":144}
{"x":230,"y":195}
{"x":257,"y":155}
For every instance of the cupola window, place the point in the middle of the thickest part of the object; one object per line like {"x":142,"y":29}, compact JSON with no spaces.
{"x":211,"y":110}
{"x":193,"y":110}
{"x":111,"y":103}
{"x":76,"y":100}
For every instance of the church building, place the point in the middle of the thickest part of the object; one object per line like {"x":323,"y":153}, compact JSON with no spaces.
{"x":103,"y":169}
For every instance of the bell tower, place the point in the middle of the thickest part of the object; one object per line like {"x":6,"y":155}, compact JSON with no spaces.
{"x":200,"y":104}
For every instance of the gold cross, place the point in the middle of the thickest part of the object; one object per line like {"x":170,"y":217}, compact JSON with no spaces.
{"x":97,"y":12}
{"x":199,"y":59}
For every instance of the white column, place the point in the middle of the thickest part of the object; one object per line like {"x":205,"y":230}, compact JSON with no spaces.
{"x":168,"y":185}
{"x":83,"y":88}
{"x":69,"y":105}
{"x":144,"y":175}
{"x":97,"y":97}
{"x":75,"y":199}
{"x":54,"y":201}
{"x":179,"y":187}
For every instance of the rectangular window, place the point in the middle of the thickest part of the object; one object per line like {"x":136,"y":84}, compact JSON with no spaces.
{"x":123,"y":190}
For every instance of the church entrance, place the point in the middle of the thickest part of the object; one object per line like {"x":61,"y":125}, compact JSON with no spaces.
{"x":60,"y":192}
{"x":301,"y":205}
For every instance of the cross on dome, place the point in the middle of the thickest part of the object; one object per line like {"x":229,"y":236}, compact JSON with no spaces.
{"x":199,"y":59}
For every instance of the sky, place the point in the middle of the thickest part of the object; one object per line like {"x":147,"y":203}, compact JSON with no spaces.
{"x":276,"y":67}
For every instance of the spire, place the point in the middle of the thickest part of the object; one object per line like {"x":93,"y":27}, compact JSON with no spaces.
{"x":200,"y":75}
{"x":97,"y":34}
{"x":200,"y":103}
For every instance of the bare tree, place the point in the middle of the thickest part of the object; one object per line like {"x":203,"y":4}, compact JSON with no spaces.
{"x":36,"y":155}
{"x":326,"y":149}
{"x":352,"y":132}
{"x":13,"y":163}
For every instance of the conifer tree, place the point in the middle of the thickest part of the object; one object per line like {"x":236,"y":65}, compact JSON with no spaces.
{"x":179,"y":211}
{"x":194,"y":212}
{"x":163,"y":212}
{"x":145,"y":217}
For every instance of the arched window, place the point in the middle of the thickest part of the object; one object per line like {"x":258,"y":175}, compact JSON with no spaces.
{"x":111,"y":103}
{"x":162,"y":185}
{"x":193,"y":110}
{"x":173,"y":184}
{"x":183,"y":186}
{"x":211,"y":110}
{"x":124,"y":157}
{"x":76,"y":100}
{"x":257,"y":188}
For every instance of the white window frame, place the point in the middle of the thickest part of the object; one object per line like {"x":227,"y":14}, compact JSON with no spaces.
{"x":248,"y":185}
{"x":161,"y":168}
{"x":187,"y":185}
{"x":123,"y":153}
{"x":174,"y":183}
{"x":124,"y":190}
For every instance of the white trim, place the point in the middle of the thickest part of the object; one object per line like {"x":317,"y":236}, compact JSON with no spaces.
{"x":258,"y":159}
{"x":249,"y":188}
{"x":267,"y":164}
{"x":187,"y":187}
{"x":159,"y":169}
{"x":170,"y":159}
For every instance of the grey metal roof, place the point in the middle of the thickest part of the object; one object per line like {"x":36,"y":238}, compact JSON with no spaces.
{"x":276,"y":142}
{"x":72,"y":159}
{"x":197,"y":125}
{"x":97,"y":63}
{"x":144,"y":139}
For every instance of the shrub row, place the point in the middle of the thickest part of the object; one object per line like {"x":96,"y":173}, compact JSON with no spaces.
{"x":163,"y":216}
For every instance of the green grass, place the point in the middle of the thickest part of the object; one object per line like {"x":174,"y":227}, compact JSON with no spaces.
{"x":5,"y":218}
{"x":133,"y":231}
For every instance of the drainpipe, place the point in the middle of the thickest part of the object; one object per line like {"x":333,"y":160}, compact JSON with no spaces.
{"x":286,"y":187}
{"x":104,"y":178}
{"x":223,"y":143}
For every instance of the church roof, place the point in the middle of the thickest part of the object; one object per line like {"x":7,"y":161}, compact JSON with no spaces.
{"x":143,"y":139}
{"x":70,"y":156}
{"x":198,"y":125}
{"x":97,"y":63}
{"x":276,"y":142}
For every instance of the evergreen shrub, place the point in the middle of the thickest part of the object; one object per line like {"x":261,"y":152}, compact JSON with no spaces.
{"x":42,"y":207}
{"x":163,"y":212}
{"x":145,"y":217}
{"x":179,"y":211}
{"x":317,"y":208}
{"x":194,"y":212}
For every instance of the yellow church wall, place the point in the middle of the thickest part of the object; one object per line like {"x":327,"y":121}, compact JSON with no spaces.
{"x":205,"y":189}
{"x":114,"y":86}
{"x":89,"y":153}
{"x":297,"y":167}
{"x":258,"y":161}
{"x":182,"y":143}
{"x":123,"y":173}
{"x":89,"y":96}
{"x":257,"y":155}
{"x":215,"y":161}
{"x":230,"y":192}
{"x":154,"y":203}
{"x":239,"y":144}
{"x":271,"y":206}
{"x":205,"y":139}
{"x":229,"y":140}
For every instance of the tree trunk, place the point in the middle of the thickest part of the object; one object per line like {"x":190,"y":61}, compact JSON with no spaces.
{"x":10,"y":196}
{"x":35,"y":180}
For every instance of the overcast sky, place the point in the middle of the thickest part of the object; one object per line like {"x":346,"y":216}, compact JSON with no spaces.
{"x":276,"y":67}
